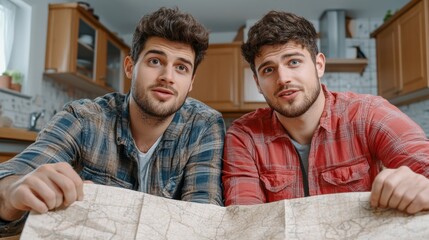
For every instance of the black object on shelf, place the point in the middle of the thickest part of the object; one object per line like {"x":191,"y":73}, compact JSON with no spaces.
{"x":359,"y":53}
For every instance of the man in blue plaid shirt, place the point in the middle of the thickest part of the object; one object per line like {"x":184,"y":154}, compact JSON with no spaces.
{"x":154,"y":140}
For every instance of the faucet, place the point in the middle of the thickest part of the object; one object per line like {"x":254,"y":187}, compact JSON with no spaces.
{"x":34,"y":116}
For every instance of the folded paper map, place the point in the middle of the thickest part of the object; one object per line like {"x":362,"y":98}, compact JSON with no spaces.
{"x":115,"y":213}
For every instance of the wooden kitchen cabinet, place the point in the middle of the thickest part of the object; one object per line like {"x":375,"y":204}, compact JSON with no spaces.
{"x":402,"y":54}
{"x":219,"y":81}
{"x":217,"y":77}
{"x":81,"y":52}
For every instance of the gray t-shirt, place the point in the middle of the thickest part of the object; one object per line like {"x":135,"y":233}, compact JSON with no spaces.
{"x":303,"y":151}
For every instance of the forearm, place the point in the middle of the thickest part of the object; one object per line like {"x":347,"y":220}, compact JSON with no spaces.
{"x":396,"y":140}
{"x":203,"y":170}
{"x":7,"y":211}
{"x":240,"y":175}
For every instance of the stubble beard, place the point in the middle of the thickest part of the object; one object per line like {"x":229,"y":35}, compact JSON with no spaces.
{"x":153,"y":108}
{"x":293,"y":109}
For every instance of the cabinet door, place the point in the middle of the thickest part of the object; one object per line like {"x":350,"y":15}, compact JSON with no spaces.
{"x":412,"y":49}
{"x":217,"y":77}
{"x":85,"y":54}
{"x":110,"y":57}
{"x":252,"y":99}
{"x":388,"y":62}
{"x":70,"y":43}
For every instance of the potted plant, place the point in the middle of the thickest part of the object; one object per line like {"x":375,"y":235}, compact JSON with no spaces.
{"x":5,"y":81}
{"x":15,"y":79}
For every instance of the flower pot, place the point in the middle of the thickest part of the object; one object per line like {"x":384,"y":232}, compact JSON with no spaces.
{"x":15,"y":87}
{"x":5,"y":81}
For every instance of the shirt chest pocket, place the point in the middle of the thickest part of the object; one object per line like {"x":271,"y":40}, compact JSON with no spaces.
{"x":279,"y":185}
{"x":103,"y":178}
{"x":349,"y":178}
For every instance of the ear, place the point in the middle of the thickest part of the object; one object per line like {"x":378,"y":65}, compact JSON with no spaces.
{"x":257,"y":83}
{"x":128,"y":67}
{"x":320,"y":65}
{"x":192,"y":83}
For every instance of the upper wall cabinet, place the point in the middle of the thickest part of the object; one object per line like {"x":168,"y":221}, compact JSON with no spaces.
{"x":81,"y":52}
{"x":219,"y":81}
{"x":402,"y":54}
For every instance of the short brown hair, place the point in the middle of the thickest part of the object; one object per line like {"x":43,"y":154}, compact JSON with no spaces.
{"x":173,"y":25}
{"x":279,"y":28}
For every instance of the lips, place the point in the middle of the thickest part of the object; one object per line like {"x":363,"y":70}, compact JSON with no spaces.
{"x":162,"y":93}
{"x":163,"y":90}
{"x":287,"y":92}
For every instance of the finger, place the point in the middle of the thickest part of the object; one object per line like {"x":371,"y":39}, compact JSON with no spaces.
{"x":413,"y":206}
{"x":67,"y":170}
{"x":406,"y":200}
{"x":420,"y":202}
{"x":377,"y":187}
{"x":402,"y":192}
{"x":26,"y":200}
{"x":396,"y":198}
{"x":66,"y":190}
{"x":417,"y":197}
{"x":45,"y":191}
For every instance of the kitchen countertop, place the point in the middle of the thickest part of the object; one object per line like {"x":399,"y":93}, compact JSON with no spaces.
{"x":17,"y":134}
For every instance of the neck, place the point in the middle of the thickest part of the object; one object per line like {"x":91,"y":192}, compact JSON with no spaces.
{"x":146,"y":129}
{"x":302,"y":128}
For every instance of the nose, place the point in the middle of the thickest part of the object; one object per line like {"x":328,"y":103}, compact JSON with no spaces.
{"x":283,"y":75}
{"x":167,"y":74}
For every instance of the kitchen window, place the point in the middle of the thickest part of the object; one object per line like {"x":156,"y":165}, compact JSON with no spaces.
{"x":7,"y":26}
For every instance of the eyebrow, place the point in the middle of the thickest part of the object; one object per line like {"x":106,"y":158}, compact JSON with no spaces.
{"x":284,"y":56}
{"x":153,"y":51}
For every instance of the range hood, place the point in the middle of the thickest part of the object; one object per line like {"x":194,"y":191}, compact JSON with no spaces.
{"x":332,"y":25}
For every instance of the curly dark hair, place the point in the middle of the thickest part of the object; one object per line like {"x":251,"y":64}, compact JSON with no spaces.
{"x":279,"y":28}
{"x":173,"y":25}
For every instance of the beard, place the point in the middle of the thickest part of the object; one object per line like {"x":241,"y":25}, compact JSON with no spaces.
{"x":156,"y":108}
{"x":295,"y":109}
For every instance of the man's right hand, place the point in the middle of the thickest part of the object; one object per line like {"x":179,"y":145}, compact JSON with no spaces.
{"x":48,"y":187}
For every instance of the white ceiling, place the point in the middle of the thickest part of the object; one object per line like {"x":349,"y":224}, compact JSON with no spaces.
{"x":228,"y":15}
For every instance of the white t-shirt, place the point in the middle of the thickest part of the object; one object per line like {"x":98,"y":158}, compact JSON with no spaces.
{"x":144,"y":165}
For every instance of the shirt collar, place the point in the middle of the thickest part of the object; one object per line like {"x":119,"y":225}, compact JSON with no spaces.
{"x":325,"y":120}
{"x":123,"y":130}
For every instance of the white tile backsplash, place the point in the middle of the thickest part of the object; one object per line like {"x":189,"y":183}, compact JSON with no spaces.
{"x":18,"y":107}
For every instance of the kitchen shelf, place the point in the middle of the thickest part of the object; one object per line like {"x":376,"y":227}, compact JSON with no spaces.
{"x":346,"y":65}
{"x":79,"y":81}
{"x":17,"y":134}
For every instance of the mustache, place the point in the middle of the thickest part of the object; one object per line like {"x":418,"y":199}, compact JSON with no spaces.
{"x":286,"y":87}
{"x":166,"y":86}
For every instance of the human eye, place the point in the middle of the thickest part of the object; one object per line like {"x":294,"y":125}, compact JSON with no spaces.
{"x":154,"y":61}
{"x":182,"y":68}
{"x":294,"y":62}
{"x":267,"y":70}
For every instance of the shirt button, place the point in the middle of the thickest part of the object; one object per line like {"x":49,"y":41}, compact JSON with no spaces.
{"x":324,"y":114}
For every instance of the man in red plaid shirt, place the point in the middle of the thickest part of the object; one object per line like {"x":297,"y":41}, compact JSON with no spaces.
{"x":312,"y":141}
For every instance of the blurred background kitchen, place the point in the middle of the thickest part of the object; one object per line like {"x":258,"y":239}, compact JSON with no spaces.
{"x":53,"y":52}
